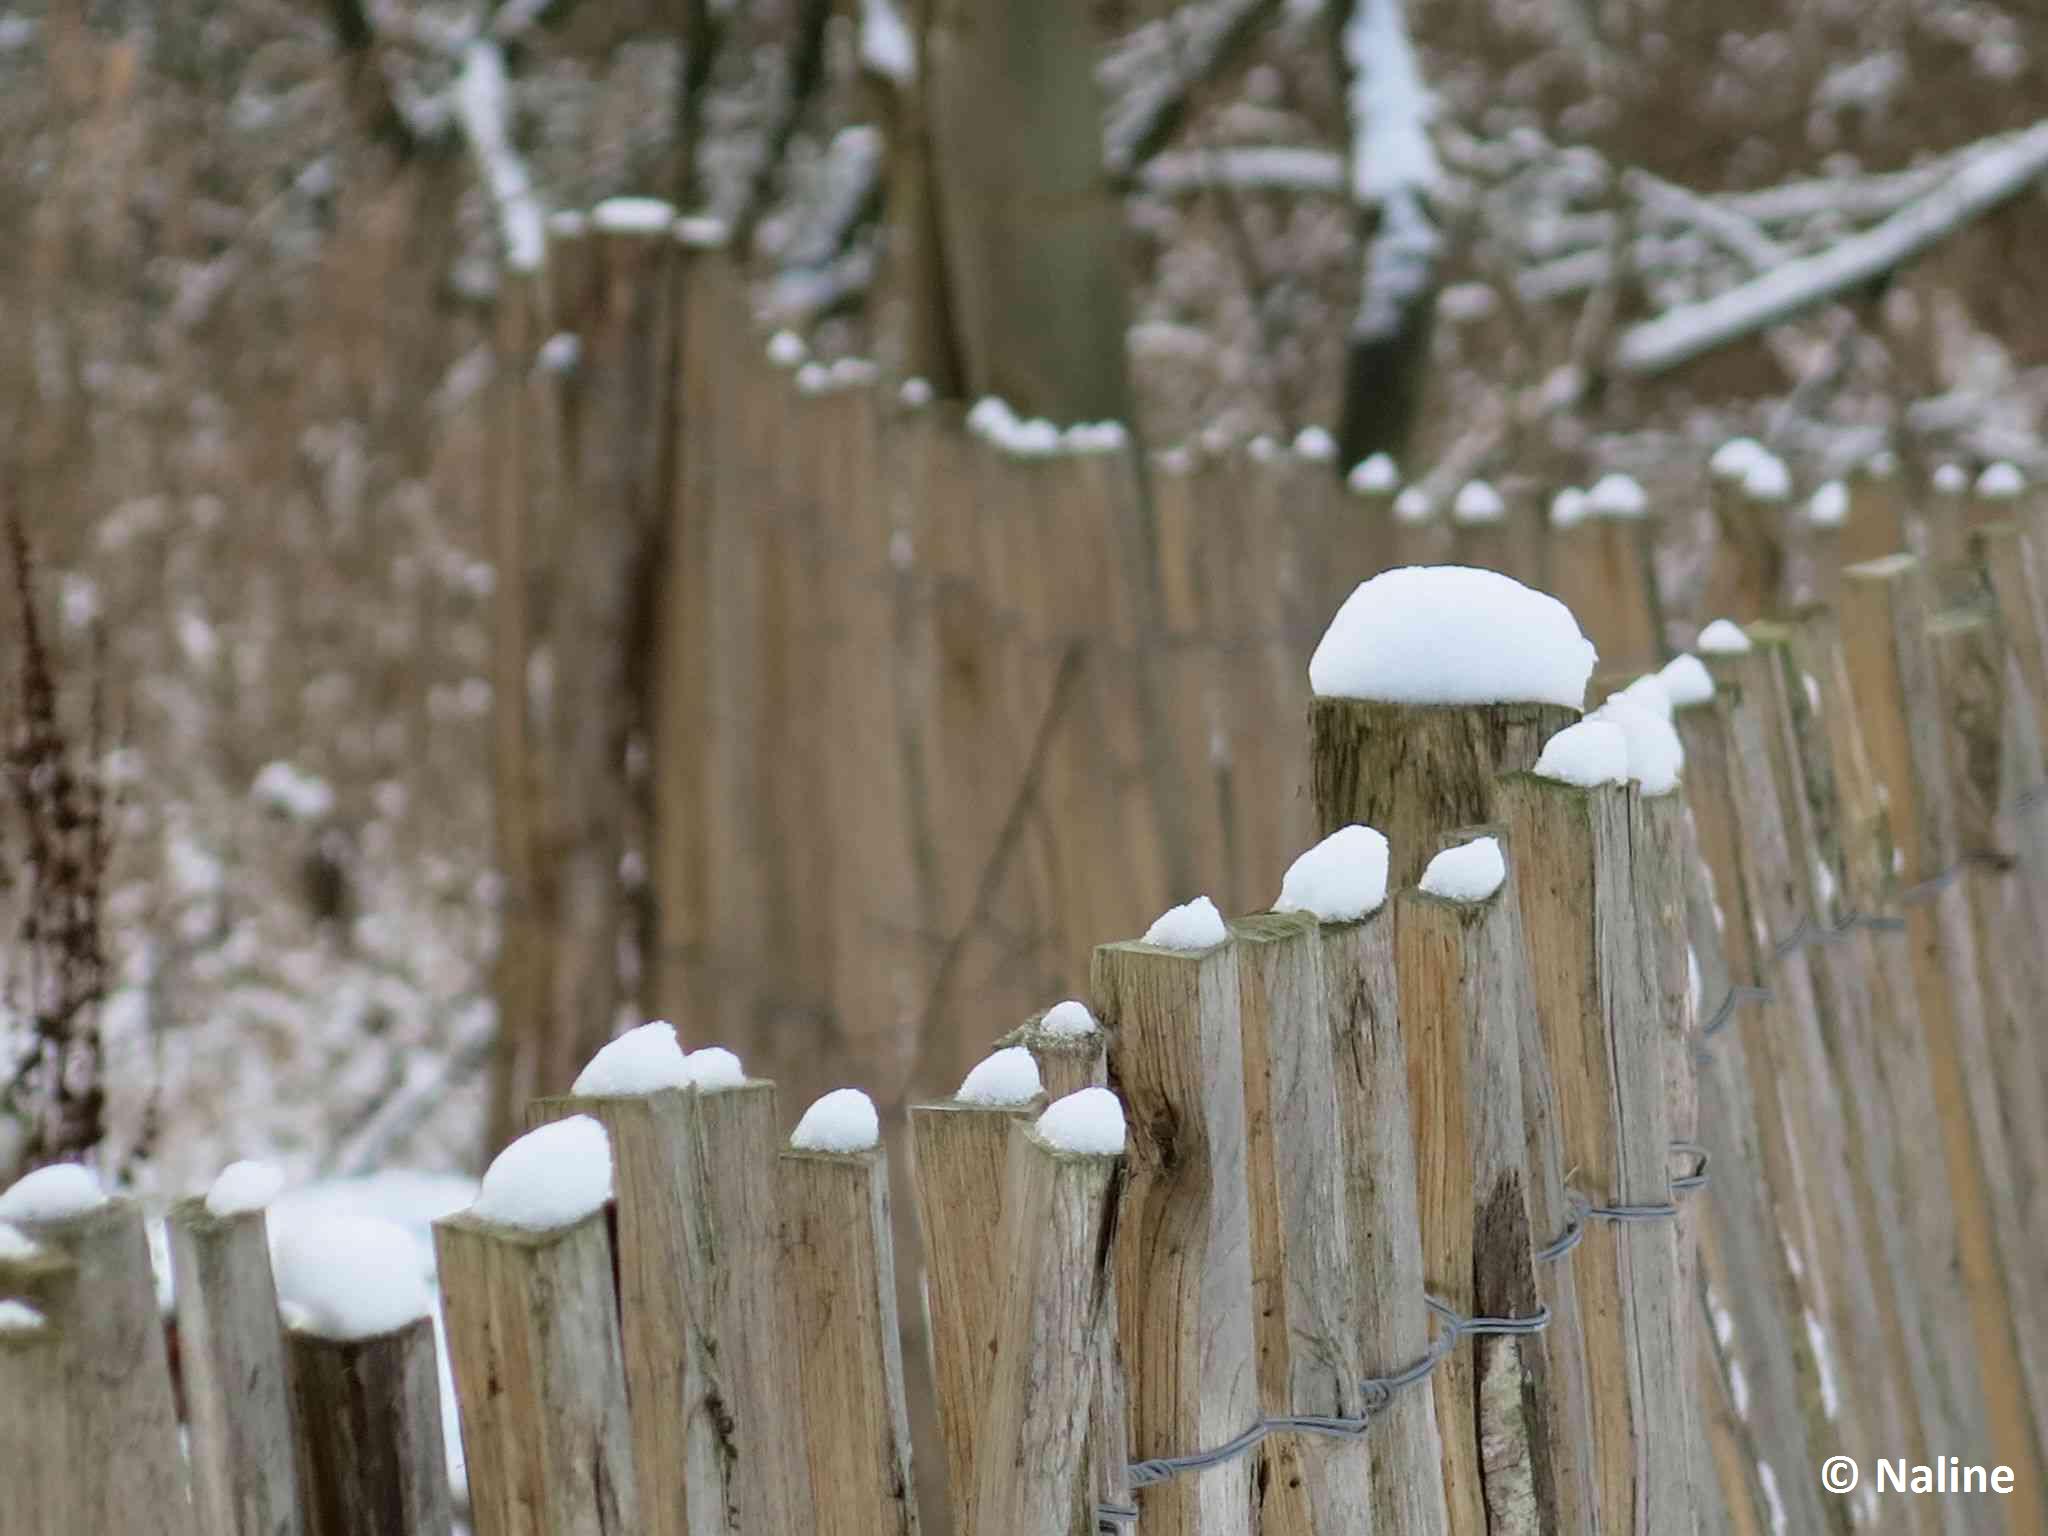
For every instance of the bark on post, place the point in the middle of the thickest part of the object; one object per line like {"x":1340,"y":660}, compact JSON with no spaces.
{"x":1606,"y":1053}
{"x":35,"y":1410}
{"x":533,"y":1337}
{"x":1884,"y":633}
{"x":366,"y":1414}
{"x":1067,"y":1062}
{"x":1059,"y":1228}
{"x":232,"y":1361}
{"x":1184,"y":1238}
{"x":1305,"y":1333}
{"x":706,"y":1322}
{"x":1416,"y":770}
{"x":837,"y":1254}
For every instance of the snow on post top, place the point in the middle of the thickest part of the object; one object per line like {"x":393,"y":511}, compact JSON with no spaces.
{"x":1588,"y":754}
{"x":1478,"y":502}
{"x":1315,"y":443}
{"x":2001,"y":481}
{"x":349,"y":1277}
{"x":1723,"y":637}
{"x":1767,"y":479}
{"x":1376,"y":476}
{"x":1195,"y":925}
{"x":1687,"y":680}
{"x":714,"y":1067}
{"x":1570,"y":507}
{"x":1732,"y":459}
{"x":786,"y":349}
{"x":1340,"y":880}
{"x":1648,"y":692}
{"x":1070,"y":1020}
{"x":1090,"y":1122}
{"x":633,"y":216}
{"x":16,"y":1244}
{"x":56,"y":1193}
{"x":19,"y":1317}
{"x":1447,"y":634}
{"x":1413,"y":506}
{"x":550,"y":1177}
{"x":1005,"y":1077}
{"x":1469,"y":872}
{"x":285,"y":789}
{"x":242,"y":1187}
{"x":1828,"y":507}
{"x":1618,"y":496}
{"x":643,"y":1060}
{"x":1951,"y":479}
{"x":843,"y":1120}
{"x":1655,"y":755}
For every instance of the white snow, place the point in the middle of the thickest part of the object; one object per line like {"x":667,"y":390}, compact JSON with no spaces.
{"x":1767,"y":479}
{"x":843,"y":1120}
{"x":1090,"y":1122}
{"x":1828,"y":507}
{"x":1588,"y":754}
{"x":1262,"y":449}
{"x":1469,"y":872}
{"x":990,"y":415}
{"x":19,"y":1317}
{"x":301,"y":796}
{"x":1315,"y":443}
{"x":1687,"y":680}
{"x":1951,"y":479}
{"x":886,"y":47}
{"x":853,"y":372}
{"x":1738,"y":1389}
{"x":483,"y":108}
{"x":1769,"y":1479}
{"x":813,"y":379}
{"x":1732,"y":459}
{"x":560,"y":353}
{"x":1389,"y":107}
{"x":1340,"y":880}
{"x":550,"y":1177}
{"x":643,"y":1060}
{"x":1375,"y":476}
{"x":633,"y":216}
{"x":786,"y":349}
{"x":1070,"y":1020}
{"x":702,"y":232}
{"x":1570,"y":507}
{"x":714,"y":1067}
{"x":1723,"y":637}
{"x":350,"y":1278}
{"x":1413,"y":506}
{"x":1095,"y":437}
{"x":1193,"y":925}
{"x":55,"y":1193}
{"x":1654,"y":753}
{"x":1824,"y":1365}
{"x":1618,"y":496}
{"x":1448,"y":634}
{"x":2001,"y":481}
{"x":16,"y":1244}
{"x":244,"y":1186}
{"x":1478,"y":502}
{"x":1648,"y":692}
{"x":1008,"y":1076}
{"x":916,"y":393}
{"x":1882,"y":465}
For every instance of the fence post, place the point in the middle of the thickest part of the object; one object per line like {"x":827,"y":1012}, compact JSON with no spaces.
{"x":1058,"y":1223}
{"x":1606,"y":1054}
{"x":533,"y":1336}
{"x":366,"y":1416}
{"x":1304,"y":1330}
{"x":1184,"y":1236}
{"x":837,"y":1255}
{"x":1885,"y":636}
{"x":34,"y":1421}
{"x":231,"y":1356}
{"x":706,"y":1323}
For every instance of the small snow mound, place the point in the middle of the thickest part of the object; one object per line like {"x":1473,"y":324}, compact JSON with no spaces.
{"x":1731,"y":461}
{"x":550,"y":1177}
{"x":643,"y":1060}
{"x":1008,"y":1076}
{"x":990,"y":415}
{"x":56,"y":1193}
{"x":1375,"y":476}
{"x":1619,"y":496}
{"x":244,"y":1186}
{"x":353,"y":1277}
{"x":1340,"y":880}
{"x":1193,"y":925}
{"x":1469,"y":872}
{"x":854,"y":372}
{"x":283,"y":788}
{"x":1478,"y":502}
{"x":16,"y":1245}
{"x":1654,"y":753}
{"x":1828,"y":507}
{"x":786,"y":349}
{"x":1648,"y":692}
{"x":1315,"y":443}
{"x":1096,"y":437}
{"x":19,"y":1317}
{"x":1951,"y":479}
{"x":633,"y":216}
{"x":1588,"y":754}
{"x":1070,"y":1020}
{"x":560,"y":353}
{"x":843,"y":1120}
{"x":1447,"y":634}
{"x":1570,"y":507}
{"x":1767,"y":479}
{"x":1413,"y":506}
{"x":714,"y":1067}
{"x":702,"y":232}
{"x":1262,"y":449}
{"x":1090,"y":1122}
{"x":813,"y":379}
{"x":915,"y":393}
{"x":2001,"y":481}
{"x":1687,"y":680}
{"x":1723,"y":637}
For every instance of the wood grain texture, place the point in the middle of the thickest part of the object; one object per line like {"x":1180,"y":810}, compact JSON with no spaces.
{"x":34,"y":1423}
{"x":1066,"y":1063}
{"x":1184,"y":1275}
{"x":533,"y":1338}
{"x":232,"y":1362}
{"x":366,"y":1414}
{"x":839,"y":1263}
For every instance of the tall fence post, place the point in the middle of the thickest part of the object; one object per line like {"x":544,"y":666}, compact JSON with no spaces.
{"x":366,"y":1417}
{"x":232,"y":1359}
{"x":1184,"y":1237}
{"x":33,"y":1420}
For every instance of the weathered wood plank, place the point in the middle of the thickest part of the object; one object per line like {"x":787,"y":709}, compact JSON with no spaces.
{"x":367,"y":1418}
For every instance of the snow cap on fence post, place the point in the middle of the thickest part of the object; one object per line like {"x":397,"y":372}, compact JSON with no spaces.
{"x":642,"y":1060}
{"x":1340,"y":880}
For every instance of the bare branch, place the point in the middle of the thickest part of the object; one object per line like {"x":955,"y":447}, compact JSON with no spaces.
{"x":1250,"y":168}
{"x":1207,"y":39}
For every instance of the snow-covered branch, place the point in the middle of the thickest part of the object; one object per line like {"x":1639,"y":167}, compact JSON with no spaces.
{"x":1394,"y":165}
{"x":483,"y":106}
{"x":1199,"y":42}
{"x":1248,"y":168}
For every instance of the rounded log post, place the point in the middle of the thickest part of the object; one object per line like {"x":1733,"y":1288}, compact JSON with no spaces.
{"x":232,"y":1360}
{"x":1306,"y":1334}
{"x":1605,"y":1047}
{"x":838,"y":1260}
{"x":533,"y":1336}
{"x":1055,"y":1258}
{"x":1417,"y":770}
{"x":1184,"y":1277}
{"x":366,"y":1418}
